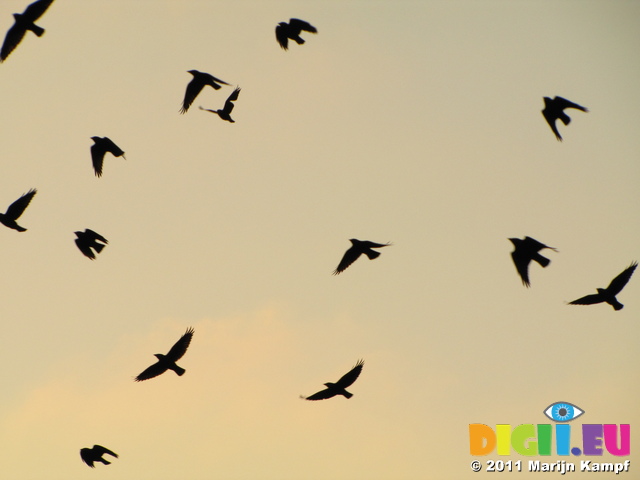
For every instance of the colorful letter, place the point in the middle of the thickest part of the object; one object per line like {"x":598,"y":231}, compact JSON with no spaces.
{"x":482,"y":439}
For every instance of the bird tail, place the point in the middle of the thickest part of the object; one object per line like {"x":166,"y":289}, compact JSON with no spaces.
{"x":36,"y":29}
{"x":299,"y":40}
{"x":543,"y":261}
{"x":106,"y":462}
{"x":179,"y":370}
{"x":98,"y":247}
{"x":565,"y":118}
{"x":347,"y":394}
{"x":371,"y":254}
{"x":617,"y":305}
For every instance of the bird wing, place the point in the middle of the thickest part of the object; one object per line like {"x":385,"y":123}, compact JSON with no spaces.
{"x":208,"y":110}
{"x":522,"y":266}
{"x":350,"y":377}
{"x":193,"y":89}
{"x":282,"y":35}
{"x":152,"y":371}
{"x":322,"y":394}
{"x":532,"y":243}
{"x":36,"y":9}
{"x":111,"y":147}
{"x":618,"y":283}
{"x":97,"y":157}
{"x":100,"y":450}
{"x":228,"y":105}
{"x":95,"y":235}
{"x":180,"y":347}
{"x":18,"y":207}
{"x":564,"y":103}
{"x":85,"y":249}
{"x":551,"y":120}
{"x":369,"y":244}
{"x":87,"y":456}
{"x":217,"y":80}
{"x":350,"y":256}
{"x":11,"y":40}
{"x":588,"y":300}
{"x":302,"y":25}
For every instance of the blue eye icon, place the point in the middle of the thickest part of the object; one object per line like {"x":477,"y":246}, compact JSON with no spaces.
{"x":562,"y":412}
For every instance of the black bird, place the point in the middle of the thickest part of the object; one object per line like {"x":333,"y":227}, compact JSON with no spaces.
{"x":358,"y":247}
{"x":23,"y":22}
{"x":525,"y":251}
{"x":197,"y":83}
{"x":608,"y":295}
{"x":554,"y":109}
{"x":291,"y":30}
{"x":90,"y":455}
{"x":339,"y":387}
{"x":8,"y":219}
{"x":101,"y":146}
{"x":225,"y":113}
{"x":168,"y":361}
{"x":89,"y":239}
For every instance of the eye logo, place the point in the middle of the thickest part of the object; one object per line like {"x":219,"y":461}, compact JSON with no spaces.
{"x":563,"y":412}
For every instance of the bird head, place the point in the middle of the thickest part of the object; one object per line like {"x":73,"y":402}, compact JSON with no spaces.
{"x":159,"y":356}
{"x":329,"y":384}
{"x":514,"y":241}
{"x":193,"y":72}
{"x":96,"y":139}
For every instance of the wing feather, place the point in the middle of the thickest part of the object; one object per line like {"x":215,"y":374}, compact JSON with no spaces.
{"x":36,"y":9}
{"x":588,"y":300}
{"x":151,"y":372}
{"x":618,"y":283}
{"x":350,"y":377}
{"x":302,"y":25}
{"x":180,"y":347}
{"x":18,"y":207}
{"x":350,"y":256}
{"x":322,"y":394}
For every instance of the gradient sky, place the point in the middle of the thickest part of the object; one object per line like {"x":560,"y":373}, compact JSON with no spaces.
{"x":415,"y":122}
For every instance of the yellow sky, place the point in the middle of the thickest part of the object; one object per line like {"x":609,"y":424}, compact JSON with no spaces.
{"x":414,"y":122}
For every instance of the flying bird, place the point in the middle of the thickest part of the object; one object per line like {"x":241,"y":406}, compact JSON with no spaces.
{"x":608,"y":295}
{"x":197,"y":83}
{"x":168,"y":361}
{"x":225,"y":113}
{"x":23,"y":22}
{"x":90,"y":455}
{"x":358,"y":247}
{"x":89,"y":239}
{"x":291,"y":30}
{"x":339,"y":388}
{"x":8,"y":219}
{"x":554,"y":110}
{"x":525,"y":251}
{"x":101,"y":146}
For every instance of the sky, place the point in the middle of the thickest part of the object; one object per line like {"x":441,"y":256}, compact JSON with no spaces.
{"x":411,"y":122}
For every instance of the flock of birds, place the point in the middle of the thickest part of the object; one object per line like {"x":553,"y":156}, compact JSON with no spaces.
{"x":91,"y":243}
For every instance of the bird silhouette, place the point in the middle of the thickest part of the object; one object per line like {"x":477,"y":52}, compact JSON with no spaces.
{"x":168,"y":361}
{"x":23,"y":22}
{"x":8,"y":219}
{"x":554,"y":110}
{"x":608,"y":295}
{"x":101,"y":146}
{"x":89,"y":239}
{"x":291,"y":30}
{"x":195,"y":86}
{"x":225,"y":113}
{"x":90,"y":455}
{"x":358,"y":247}
{"x":339,"y":388}
{"x":525,"y":251}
